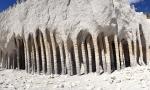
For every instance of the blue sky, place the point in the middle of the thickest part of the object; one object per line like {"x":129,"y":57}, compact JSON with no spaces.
{"x":140,"y":5}
{"x":4,"y":4}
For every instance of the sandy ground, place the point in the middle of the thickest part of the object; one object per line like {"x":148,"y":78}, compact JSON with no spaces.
{"x":135,"y":78}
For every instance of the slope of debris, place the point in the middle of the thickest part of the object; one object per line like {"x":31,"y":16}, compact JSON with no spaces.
{"x":135,"y":78}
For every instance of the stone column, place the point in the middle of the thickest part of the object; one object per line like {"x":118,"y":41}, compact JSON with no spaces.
{"x":122,"y":62}
{"x":47,"y":50}
{"x":37,"y":56}
{"x":18,"y":59}
{"x":147,"y":52}
{"x":68,"y":64}
{"x":13,"y":58}
{"x":77,"y":61}
{"x":97,"y":59}
{"x":117,"y":52}
{"x":18,"y":53}
{"x":2,"y":60}
{"x":135,"y":52}
{"x":54,"y":53}
{"x":130,"y":52}
{"x":27,"y":56}
{"x":8,"y":63}
{"x":12,"y":65}
{"x":101,"y":43}
{"x":0,"y":57}
{"x":48,"y":57}
{"x":5,"y":61}
{"x":32,"y":59}
{"x":71,"y":62}
{"x":107,"y":55}
{"x":141,"y":62}
{"x":89,"y":56}
{"x":42,"y":54}
{"x":84,"y":57}
{"x":63,"y":69}
{"x":49,"y":60}
{"x":103,"y":60}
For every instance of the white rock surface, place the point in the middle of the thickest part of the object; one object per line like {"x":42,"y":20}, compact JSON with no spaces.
{"x":68,"y":17}
{"x":136,"y":78}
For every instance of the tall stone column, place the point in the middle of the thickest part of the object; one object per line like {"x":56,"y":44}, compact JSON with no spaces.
{"x":11,"y":62}
{"x":140,"y":48}
{"x":18,"y":59}
{"x":135,"y":52}
{"x":107,"y":55}
{"x":48,"y":55}
{"x":5,"y":61}
{"x":101,"y":43}
{"x":42,"y":54}
{"x":32,"y":59}
{"x":0,"y":57}
{"x":97,"y":59}
{"x":84,"y":57}
{"x":89,"y":56}
{"x":13,"y":58}
{"x":18,"y":53}
{"x":2,"y":60}
{"x":68,"y":64}
{"x":147,"y":53}
{"x":103,"y":60}
{"x":122,"y":62}
{"x":130,"y":52}
{"x":77,"y":61}
{"x":63,"y":69}
{"x":49,"y":60}
{"x":37,"y":56}
{"x":54,"y":53}
{"x":8,"y":63}
{"x":117,"y":52}
{"x":71,"y":62}
{"x":26,"y":56}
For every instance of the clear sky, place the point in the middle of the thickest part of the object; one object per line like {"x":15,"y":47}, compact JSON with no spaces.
{"x":140,"y":5}
{"x":4,"y":4}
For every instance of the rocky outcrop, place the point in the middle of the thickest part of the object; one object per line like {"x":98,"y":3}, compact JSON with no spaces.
{"x":42,"y":54}
{"x":64,"y":37}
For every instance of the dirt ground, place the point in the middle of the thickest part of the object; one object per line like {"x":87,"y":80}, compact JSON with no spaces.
{"x":131,"y":78}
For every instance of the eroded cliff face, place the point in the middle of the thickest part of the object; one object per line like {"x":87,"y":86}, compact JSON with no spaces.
{"x":59,"y":36}
{"x":69,"y":17}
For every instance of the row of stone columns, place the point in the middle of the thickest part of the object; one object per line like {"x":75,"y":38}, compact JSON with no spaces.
{"x":10,"y":58}
{"x":41,"y":54}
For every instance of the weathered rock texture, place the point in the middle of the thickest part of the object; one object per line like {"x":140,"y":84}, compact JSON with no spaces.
{"x":64,"y":36}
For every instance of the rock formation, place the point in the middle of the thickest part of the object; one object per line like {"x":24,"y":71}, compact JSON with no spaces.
{"x":61,"y":36}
